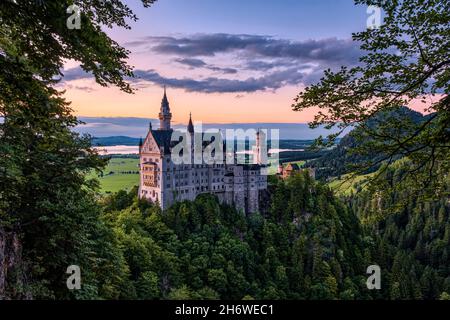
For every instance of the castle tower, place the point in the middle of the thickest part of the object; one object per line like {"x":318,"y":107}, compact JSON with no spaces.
{"x":260,"y":149}
{"x":164,"y":115}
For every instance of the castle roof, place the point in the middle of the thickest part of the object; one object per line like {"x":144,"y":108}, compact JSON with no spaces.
{"x":163,"y":139}
{"x":293,"y":166}
{"x":165,"y":102}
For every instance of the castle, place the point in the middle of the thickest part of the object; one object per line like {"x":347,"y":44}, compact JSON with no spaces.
{"x":166,"y":181}
{"x":292,"y":169}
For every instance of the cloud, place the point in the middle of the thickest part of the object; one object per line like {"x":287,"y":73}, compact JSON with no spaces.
{"x":198,"y":63}
{"x":75,"y":74}
{"x":80,"y":88}
{"x":114,"y":126}
{"x":329,"y":50}
{"x":271,"y":81}
{"x":191,"y":62}
{"x":260,"y":63}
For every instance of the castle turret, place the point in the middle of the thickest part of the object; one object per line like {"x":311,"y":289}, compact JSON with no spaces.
{"x":164,"y":115}
{"x":190,"y":127}
{"x":260,"y":149}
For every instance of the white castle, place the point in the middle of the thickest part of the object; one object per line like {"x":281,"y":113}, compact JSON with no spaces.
{"x":166,"y":181}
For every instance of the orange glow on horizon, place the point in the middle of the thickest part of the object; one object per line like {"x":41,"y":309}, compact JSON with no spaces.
{"x":268,"y":107}
{"x":208,"y":108}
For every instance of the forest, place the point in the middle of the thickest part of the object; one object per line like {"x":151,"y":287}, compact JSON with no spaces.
{"x":308,"y":246}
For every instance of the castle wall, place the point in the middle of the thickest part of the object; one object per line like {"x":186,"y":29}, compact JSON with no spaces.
{"x":232,"y":184}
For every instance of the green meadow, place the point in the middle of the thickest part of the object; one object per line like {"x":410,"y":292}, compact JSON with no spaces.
{"x":348,"y":184}
{"x":119,"y":174}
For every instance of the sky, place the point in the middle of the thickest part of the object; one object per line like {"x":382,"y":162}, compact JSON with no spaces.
{"x":233,"y":61}
{"x":228,"y":61}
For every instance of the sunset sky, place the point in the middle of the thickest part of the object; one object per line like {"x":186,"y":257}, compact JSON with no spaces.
{"x":225,"y":61}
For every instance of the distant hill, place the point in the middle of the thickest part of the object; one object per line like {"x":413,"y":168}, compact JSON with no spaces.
{"x":337,"y":161}
{"x":130,"y":141}
{"x":115,"y":141}
{"x":138,"y":127}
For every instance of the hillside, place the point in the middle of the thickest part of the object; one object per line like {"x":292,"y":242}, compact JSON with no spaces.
{"x":411,"y":236}
{"x":307,"y":246}
{"x":114,"y":141}
{"x":344,"y":158}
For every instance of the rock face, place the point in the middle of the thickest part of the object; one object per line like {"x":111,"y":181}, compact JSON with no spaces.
{"x":13,"y":284}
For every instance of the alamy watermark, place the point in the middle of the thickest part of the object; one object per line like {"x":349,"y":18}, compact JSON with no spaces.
{"x":374,"y":280}
{"x":229,"y":146}
{"x":74,"y":280}
{"x":374,"y":20}
{"x":74,"y":20}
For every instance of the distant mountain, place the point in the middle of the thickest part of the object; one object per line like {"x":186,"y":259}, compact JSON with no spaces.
{"x":138,"y":127}
{"x":115,"y":141}
{"x":337,"y":161}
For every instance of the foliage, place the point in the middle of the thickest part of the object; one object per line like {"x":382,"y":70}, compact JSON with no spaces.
{"x":406,"y":58}
{"x":310,"y":246}
{"x":45,"y":197}
{"x":411,"y":238}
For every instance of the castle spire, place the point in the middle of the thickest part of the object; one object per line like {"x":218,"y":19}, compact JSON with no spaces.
{"x":164,"y":115}
{"x":190,"y":127}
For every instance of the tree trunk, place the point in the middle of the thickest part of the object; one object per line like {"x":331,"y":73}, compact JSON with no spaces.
{"x":13,"y":283}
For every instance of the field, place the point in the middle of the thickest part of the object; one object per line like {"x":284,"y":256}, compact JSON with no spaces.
{"x":120,"y":173}
{"x":348,"y":184}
